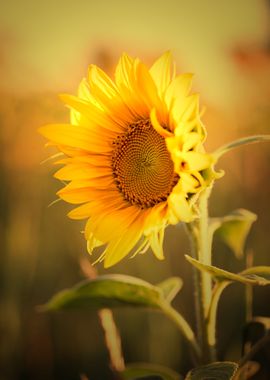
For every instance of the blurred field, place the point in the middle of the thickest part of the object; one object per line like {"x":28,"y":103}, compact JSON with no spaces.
{"x":41,"y":247}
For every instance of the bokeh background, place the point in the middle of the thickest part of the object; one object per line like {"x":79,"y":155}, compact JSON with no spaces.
{"x":45,"y":49}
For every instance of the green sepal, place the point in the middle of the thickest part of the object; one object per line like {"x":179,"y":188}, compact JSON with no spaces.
{"x":233,"y":229}
{"x":214,"y":371}
{"x":143,"y":370}
{"x":252,"y":276}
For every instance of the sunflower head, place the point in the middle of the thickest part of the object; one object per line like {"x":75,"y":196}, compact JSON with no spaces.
{"x":134,"y":156}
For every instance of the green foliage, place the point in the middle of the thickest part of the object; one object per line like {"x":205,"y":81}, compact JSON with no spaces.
{"x":214,"y":371}
{"x":107,"y":291}
{"x":233,"y":229}
{"x":237,"y":143}
{"x":114,"y":291}
{"x":143,"y":370}
{"x":251,"y":276}
{"x":170,"y":287}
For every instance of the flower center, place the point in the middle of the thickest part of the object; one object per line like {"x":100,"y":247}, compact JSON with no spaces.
{"x":142,"y":166}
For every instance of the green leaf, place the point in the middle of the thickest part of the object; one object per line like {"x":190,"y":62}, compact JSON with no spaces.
{"x":142,"y":370}
{"x":233,"y":229}
{"x":110,"y":291}
{"x":243,"y":141}
{"x":259,"y":271}
{"x":107,"y":291}
{"x":170,"y":287}
{"x":214,"y":371}
{"x":248,"y":370}
{"x":251,"y":276}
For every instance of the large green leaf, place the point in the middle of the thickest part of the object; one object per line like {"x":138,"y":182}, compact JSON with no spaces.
{"x":108,"y":291}
{"x":233,"y":229}
{"x":214,"y":371}
{"x":113,"y":291}
{"x":143,"y":370}
{"x":251,"y":276}
{"x":237,"y":143}
{"x":170,"y":287}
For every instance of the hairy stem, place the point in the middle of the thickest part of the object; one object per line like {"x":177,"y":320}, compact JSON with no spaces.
{"x":201,"y":235}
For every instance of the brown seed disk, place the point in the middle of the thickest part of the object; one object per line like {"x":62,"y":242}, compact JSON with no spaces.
{"x":142,"y":166}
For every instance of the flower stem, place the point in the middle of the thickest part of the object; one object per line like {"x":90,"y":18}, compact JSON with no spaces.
{"x":202,"y":241}
{"x":204,"y":249}
{"x":212,"y":314}
{"x":186,"y":330}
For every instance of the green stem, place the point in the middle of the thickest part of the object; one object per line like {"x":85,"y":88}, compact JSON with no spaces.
{"x":186,"y":330}
{"x":212,"y":315}
{"x":202,"y":238}
{"x":204,"y":249}
{"x":197,"y":287}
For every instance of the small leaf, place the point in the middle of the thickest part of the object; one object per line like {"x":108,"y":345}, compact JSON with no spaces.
{"x":107,"y":291}
{"x":259,"y":271}
{"x":249,"y":276}
{"x":142,"y":370}
{"x":214,"y":371}
{"x":233,"y":229}
{"x":243,"y":141}
{"x":170,"y":287}
{"x":247,"y":371}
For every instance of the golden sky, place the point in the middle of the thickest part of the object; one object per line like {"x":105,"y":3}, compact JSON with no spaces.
{"x":47,"y":45}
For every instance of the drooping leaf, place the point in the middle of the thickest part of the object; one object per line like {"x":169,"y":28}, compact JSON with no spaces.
{"x":239,"y":142}
{"x":251,"y":276}
{"x":259,"y":271}
{"x":143,"y":370}
{"x":214,"y":371}
{"x":110,"y":291}
{"x":170,"y":287}
{"x":247,"y":371}
{"x":233,"y":229}
{"x":107,"y":291}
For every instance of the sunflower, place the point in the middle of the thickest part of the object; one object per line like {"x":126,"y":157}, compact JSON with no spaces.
{"x":134,"y":156}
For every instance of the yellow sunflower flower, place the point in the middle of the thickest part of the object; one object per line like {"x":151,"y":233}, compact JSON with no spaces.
{"x":134,"y":156}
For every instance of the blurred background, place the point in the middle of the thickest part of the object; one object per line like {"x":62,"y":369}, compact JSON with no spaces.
{"x":45,"y":49}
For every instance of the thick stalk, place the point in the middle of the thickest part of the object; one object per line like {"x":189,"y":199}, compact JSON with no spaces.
{"x":202,"y":241}
{"x":197,"y":287}
{"x":204,"y":249}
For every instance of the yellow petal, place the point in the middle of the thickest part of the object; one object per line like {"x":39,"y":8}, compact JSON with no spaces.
{"x":188,"y":183}
{"x":161,"y":72}
{"x":107,"y":94}
{"x":155,"y":123}
{"x":197,"y":161}
{"x":148,"y":91}
{"x":82,"y":191}
{"x":70,"y":135}
{"x":118,"y":249}
{"x":81,"y":171}
{"x":95,"y":116}
{"x":156,"y":242}
{"x":104,"y":204}
{"x":185,"y":109}
{"x":178,"y":88}
{"x":125,"y":77}
{"x":112,"y":224}
{"x":180,"y":209}
{"x":93,"y":243}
